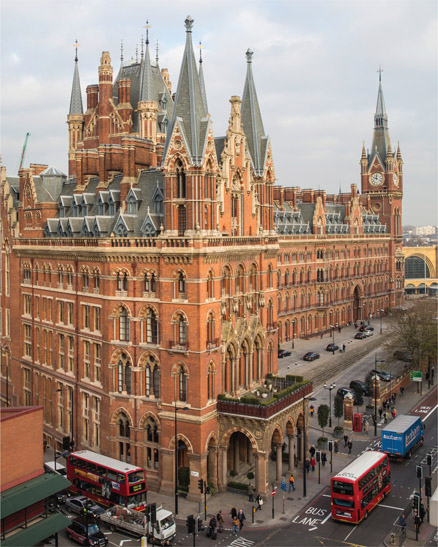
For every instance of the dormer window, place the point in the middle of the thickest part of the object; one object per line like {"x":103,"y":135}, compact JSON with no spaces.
{"x":132,"y":208}
{"x":61,"y":211}
{"x":163,"y":103}
{"x":111,"y":207}
{"x":158,"y":204}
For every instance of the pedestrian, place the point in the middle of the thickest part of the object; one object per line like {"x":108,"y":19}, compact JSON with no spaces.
{"x":212,"y":528}
{"x":385,"y":418}
{"x":241,"y":517}
{"x":313,"y":463}
{"x":394,"y":397}
{"x":44,"y":445}
{"x":323,"y":458}
{"x":402,"y":390}
{"x":343,"y":348}
{"x":312,"y":450}
{"x":233,"y":513}
{"x":393,"y":413}
{"x":259,"y":502}
{"x":403,"y":524}
{"x":355,"y":324}
{"x":380,"y":412}
{"x":236,"y":526}
{"x":250,"y":493}
{"x":422,"y":512}
{"x":220,"y":521}
{"x":384,"y":405}
{"x":339,"y":328}
{"x":333,"y":350}
{"x":350,"y":446}
{"x":312,"y":410}
{"x":291,"y":483}
{"x":345,"y":440}
{"x":336,"y":446}
{"x":307,"y":465}
{"x":417,"y":522}
{"x":366,"y":427}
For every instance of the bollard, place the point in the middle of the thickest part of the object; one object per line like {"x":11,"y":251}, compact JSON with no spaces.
{"x":253,"y":513}
{"x":392,"y":538}
{"x":283,"y":505}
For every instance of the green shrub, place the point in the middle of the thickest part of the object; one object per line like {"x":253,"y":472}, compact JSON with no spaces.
{"x":238,"y":485}
{"x":250,"y":400}
{"x":250,"y":476}
{"x":184,"y":477}
{"x":233,"y":472}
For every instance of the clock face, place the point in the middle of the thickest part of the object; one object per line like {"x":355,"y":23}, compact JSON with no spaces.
{"x":376,"y":179}
{"x":395,"y":179}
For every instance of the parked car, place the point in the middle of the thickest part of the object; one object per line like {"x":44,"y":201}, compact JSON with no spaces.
{"x":360,"y":336}
{"x":311,"y":356}
{"x":384,"y":376}
{"x":368,"y":332}
{"x":364,"y":328}
{"x":332,"y":347}
{"x":342,"y":391}
{"x":77,"y":531}
{"x":358,"y":384}
{"x":402,"y":356}
{"x":284,"y":353}
{"x":78,"y":504}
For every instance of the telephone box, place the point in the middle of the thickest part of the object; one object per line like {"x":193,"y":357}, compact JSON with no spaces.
{"x":357,"y":422}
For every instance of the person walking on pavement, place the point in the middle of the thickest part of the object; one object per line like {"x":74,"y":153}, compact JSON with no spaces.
{"x":350,"y":446}
{"x":393,"y":413}
{"x":385,"y":417}
{"x":312,"y":450}
{"x":402,"y":390}
{"x":236,"y":526}
{"x":313,"y":463}
{"x":250,"y":493}
{"x":259,"y":502}
{"x":366,"y":427}
{"x":307,"y":465}
{"x":403,"y":524}
{"x":233,"y":513}
{"x":323,"y":458}
{"x":291,"y":483}
{"x":336,"y":445}
{"x":422,"y":512}
{"x":343,"y":348}
{"x":345,"y":440}
{"x":241,"y":517}
{"x":312,"y":410}
{"x":220,"y":521}
{"x":380,"y":412}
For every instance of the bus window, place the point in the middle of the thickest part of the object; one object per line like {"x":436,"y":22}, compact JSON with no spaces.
{"x":91,"y":467}
{"x":101,"y":471}
{"x":137,"y":476}
{"x":340,"y":487}
{"x":120,"y":478}
{"x":73,"y":461}
{"x":111,"y":475}
{"x":343,"y":503}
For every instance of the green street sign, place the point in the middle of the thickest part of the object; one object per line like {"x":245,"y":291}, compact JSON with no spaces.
{"x":416,"y":376}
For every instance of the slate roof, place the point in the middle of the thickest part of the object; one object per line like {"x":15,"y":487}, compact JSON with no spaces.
{"x":76,"y":96}
{"x":381,"y":141}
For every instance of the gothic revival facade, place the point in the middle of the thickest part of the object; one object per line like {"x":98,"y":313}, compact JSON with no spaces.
{"x":155,"y":282}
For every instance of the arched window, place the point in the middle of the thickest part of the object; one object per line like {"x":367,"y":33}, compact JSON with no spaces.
{"x":180,"y":180}
{"x":182,"y":330}
{"x":210,"y":382}
{"x":270,"y":276}
{"x":210,"y":285}
{"x":210,"y":330}
{"x":124,"y":326}
{"x":152,"y":377}
{"x":123,"y":374}
{"x":182,"y":384}
{"x":152,"y":441}
{"x":123,"y":425}
{"x":181,"y":285}
{"x":151,"y":327}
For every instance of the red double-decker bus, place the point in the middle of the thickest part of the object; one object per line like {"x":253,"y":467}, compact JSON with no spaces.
{"x":358,"y":488}
{"x":106,"y":480}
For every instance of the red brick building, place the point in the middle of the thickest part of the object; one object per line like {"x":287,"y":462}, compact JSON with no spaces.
{"x":167,"y":267}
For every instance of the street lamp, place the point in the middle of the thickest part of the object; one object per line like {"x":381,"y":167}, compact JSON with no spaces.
{"x":176,"y":454}
{"x":330,"y":388}
{"x":381,"y":315}
{"x":293,"y":333}
{"x":304,"y":444}
{"x":333,"y":333}
{"x":376,"y":361}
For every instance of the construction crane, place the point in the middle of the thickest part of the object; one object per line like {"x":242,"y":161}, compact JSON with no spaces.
{"x":24,"y":150}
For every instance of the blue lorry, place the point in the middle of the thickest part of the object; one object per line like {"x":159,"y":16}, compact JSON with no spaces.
{"x":402,"y":436}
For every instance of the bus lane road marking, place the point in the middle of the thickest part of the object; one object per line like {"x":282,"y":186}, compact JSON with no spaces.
{"x":313,"y":517}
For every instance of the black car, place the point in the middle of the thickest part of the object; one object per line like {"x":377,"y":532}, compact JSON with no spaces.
{"x":283,"y":353}
{"x":342,"y":391}
{"x":78,"y":504}
{"x":332,"y":347}
{"x":311,"y":356}
{"x":364,"y":328}
{"x":360,"y":336}
{"x":77,"y":531}
{"x":384,"y":376}
{"x":361,"y":386}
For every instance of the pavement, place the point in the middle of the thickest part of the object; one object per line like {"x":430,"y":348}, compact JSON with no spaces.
{"x":288,"y":505}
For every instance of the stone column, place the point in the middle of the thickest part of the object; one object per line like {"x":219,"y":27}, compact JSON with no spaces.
{"x":211,"y":465}
{"x":279,"y":462}
{"x":236,"y":455}
{"x":376,"y":392}
{"x":224,"y":467}
{"x":261,"y":480}
{"x":291,"y":453}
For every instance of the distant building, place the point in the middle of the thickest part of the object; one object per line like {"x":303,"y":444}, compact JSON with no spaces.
{"x":425,"y":230}
{"x":166,"y":269}
{"x":25,"y":490}
{"x":421,"y":267}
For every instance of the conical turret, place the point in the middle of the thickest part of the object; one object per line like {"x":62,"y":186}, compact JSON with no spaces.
{"x":76,"y":97}
{"x":252,"y":121}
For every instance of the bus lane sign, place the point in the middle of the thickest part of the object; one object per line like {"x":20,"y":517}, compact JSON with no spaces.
{"x":313,"y":516}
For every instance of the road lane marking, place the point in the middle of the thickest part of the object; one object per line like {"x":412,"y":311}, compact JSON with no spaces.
{"x":433,"y":410}
{"x":391,"y":507}
{"x":326,"y":518}
{"x":350,"y":533}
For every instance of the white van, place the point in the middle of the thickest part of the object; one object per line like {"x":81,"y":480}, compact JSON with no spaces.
{"x":49,"y":467}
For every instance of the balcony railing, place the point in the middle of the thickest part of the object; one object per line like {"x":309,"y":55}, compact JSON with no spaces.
{"x":264,"y":411}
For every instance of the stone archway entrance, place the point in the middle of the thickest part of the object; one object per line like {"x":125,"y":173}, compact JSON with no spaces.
{"x":240,"y":457}
{"x":357,"y":309}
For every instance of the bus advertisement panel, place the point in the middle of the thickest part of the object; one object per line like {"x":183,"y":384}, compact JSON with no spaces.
{"x":358,"y":488}
{"x":106,"y":480}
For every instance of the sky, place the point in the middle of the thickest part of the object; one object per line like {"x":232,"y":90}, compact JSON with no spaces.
{"x":315,"y":67}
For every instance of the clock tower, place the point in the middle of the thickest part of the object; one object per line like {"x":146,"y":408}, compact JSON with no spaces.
{"x":382,"y":171}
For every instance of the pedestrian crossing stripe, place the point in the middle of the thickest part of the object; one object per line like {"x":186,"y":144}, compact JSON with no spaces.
{"x":241,"y":542}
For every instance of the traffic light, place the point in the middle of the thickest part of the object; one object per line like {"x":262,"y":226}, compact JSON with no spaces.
{"x":190,"y":523}
{"x":201,"y":485}
{"x":428,"y":486}
{"x":416,"y":503}
{"x":419,"y":472}
{"x":330,"y":446}
{"x":199,"y":521}
{"x":153,"y":513}
{"x":429,"y":459}
{"x":66,"y":443}
{"x":318,"y":455}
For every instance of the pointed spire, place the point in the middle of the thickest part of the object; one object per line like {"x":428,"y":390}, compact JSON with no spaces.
{"x":141,"y":48}
{"x":147,"y":83}
{"x":201,"y":79}
{"x":381,"y":141}
{"x":189,"y":106}
{"x":252,"y":121}
{"x":398,"y":151}
{"x":364,"y":154}
{"x":76,"y":97}
{"x":156,"y":54}
{"x":121,"y":52}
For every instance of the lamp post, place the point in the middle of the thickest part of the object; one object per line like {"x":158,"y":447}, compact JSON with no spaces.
{"x":70,"y":390}
{"x":381,"y":315}
{"x":304,"y":444}
{"x":330,"y":388}
{"x":376,"y":361}
{"x":293,"y":333}
{"x":333,"y":333}
{"x":176,"y":454}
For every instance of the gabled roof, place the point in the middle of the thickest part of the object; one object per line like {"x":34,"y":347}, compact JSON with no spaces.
{"x":189,"y":109}
{"x":252,"y":121}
